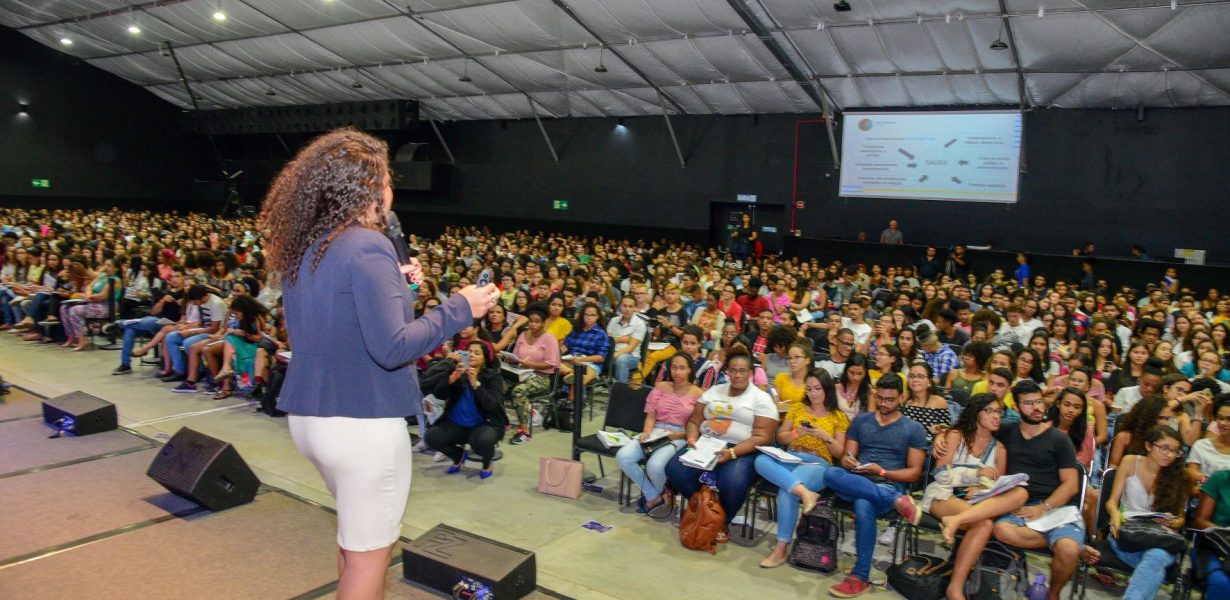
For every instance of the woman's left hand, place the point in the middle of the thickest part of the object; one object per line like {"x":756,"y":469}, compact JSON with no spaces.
{"x":413,"y":271}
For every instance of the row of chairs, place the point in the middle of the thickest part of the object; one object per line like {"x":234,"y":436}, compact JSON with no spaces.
{"x":625,"y":412}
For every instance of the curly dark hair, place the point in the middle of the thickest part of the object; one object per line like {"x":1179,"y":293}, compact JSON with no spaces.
{"x":1139,"y":420}
{"x":967,"y":423}
{"x":1170,"y":488}
{"x":327,"y":187}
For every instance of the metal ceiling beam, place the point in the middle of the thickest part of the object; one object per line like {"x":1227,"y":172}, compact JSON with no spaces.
{"x":763,"y":32}
{"x":1016,"y":56}
{"x":811,"y":84}
{"x":639,"y":73}
{"x":431,"y":30}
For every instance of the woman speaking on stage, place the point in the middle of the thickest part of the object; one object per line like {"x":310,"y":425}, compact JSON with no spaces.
{"x":349,"y":313}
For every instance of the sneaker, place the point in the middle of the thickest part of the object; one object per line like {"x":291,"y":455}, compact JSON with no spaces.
{"x":886,"y":538}
{"x":208,"y":387}
{"x":438,"y":457}
{"x":122,"y":370}
{"x":850,"y":587}
{"x":521,"y":438}
{"x":187,"y":387}
{"x":172,"y":377}
{"x":49,"y":322}
{"x":109,"y":327}
{"x":908,"y":509}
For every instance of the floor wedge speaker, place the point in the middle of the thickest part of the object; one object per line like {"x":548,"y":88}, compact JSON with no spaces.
{"x":455,"y":562}
{"x":203,"y":469}
{"x":79,"y":413}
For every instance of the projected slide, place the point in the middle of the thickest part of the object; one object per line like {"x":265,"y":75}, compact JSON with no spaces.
{"x":971,"y":156}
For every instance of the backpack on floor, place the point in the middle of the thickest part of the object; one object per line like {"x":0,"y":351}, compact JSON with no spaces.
{"x":702,"y":521}
{"x":920,"y":577}
{"x":999,"y":574}
{"x":815,"y":540}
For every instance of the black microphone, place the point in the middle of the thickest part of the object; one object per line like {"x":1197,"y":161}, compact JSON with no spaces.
{"x":392,"y":230}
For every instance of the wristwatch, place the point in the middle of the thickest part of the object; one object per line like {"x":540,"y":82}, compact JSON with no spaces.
{"x":1047,"y":505}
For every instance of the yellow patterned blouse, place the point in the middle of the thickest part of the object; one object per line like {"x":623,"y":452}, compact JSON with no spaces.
{"x":833,"y":423}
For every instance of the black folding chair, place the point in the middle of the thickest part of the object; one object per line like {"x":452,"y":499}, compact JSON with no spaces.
{"x":625,"y":411}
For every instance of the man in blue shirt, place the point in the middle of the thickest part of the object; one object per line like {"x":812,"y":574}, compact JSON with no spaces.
{"x":884,"y":452}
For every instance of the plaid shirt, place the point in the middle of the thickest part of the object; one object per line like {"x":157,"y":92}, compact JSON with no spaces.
{"x":588,"y":343}
{"x":941,"y":361}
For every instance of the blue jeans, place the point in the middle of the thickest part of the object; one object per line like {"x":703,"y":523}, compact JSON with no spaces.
{"x":870,"y":501}
{"x":1148,"y":571}
{"x":1218,"y":583}
{"x":785,"y":476}
{"x":131,"y":329}
{"x":38,"y":307}
{"x":734,"y":479}
{"x":176,"y":346}
{"x":624,"y":365}
{"x":6,"y":296}
{"x":652,"y":478}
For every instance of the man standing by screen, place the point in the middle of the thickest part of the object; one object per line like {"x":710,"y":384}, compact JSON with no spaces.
{"x":892,"y":235}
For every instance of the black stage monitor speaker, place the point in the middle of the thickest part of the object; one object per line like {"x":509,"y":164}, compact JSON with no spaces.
{"x":452,"y":561}
{"x":203,"y":469}
{"x":79,"y":413}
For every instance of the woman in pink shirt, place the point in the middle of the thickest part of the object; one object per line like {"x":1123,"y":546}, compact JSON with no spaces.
{"x":668,"y":407}
{"x":538,"y":350}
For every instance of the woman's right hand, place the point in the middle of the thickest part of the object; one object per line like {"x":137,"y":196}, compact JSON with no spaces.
{"x":1114,"y":527}
{"x":988,"y":472}
{"x":480,"y":299}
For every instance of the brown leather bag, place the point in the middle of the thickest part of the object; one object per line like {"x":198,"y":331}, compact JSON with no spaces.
{"x":702,"y":521}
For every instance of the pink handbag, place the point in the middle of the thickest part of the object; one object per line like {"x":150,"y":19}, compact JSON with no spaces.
{"x":560,"y":477}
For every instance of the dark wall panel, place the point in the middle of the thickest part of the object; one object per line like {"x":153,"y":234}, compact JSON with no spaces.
{"x":1096,"y":175}
{"x":89,"y":132}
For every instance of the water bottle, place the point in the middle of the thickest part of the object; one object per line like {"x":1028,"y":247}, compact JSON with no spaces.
{"x":1037,"y":590}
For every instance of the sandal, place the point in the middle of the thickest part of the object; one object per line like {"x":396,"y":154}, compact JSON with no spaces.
{"x":723,"y":536}
{"x":139,"y":352}
{"x":222,"y":395}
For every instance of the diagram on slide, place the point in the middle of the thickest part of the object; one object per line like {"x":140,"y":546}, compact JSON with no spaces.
{"x":971,"y":156}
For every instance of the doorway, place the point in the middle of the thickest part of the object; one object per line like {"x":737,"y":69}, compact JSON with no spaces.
{"x":766,"y":220}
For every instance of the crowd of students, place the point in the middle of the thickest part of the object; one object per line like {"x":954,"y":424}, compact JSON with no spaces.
{"x":880,"y":381}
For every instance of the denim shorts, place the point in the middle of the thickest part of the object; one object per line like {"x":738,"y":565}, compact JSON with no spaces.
{"x":1071,"y":531}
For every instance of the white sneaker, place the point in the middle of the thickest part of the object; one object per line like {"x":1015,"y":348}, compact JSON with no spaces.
{"x":439,"y":457}
{"x":421,"y":446}
{"x":886,"y":538}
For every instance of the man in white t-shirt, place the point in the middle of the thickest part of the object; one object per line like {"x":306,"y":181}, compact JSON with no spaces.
{"x":1149,"y":383}
{"x":854,"y":320}
{"x":628,"y":331}
{"x":176,"y":344}
{"x":1014,"y":330}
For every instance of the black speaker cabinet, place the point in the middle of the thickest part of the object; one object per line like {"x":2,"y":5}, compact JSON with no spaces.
{"x":446,"y":556}
{"x":203,"y":469}
{"x":79,"y":413}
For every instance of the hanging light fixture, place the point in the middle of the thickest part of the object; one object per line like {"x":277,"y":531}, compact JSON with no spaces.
{"x":465,"y":72}
{"x":999,"y":44}
{"x":601,"y":68}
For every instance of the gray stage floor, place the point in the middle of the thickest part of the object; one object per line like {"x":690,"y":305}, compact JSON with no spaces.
{"x":639,"y":558}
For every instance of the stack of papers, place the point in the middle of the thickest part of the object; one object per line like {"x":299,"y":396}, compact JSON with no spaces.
{"x":613,"y":439}
{"x":1003,"y":484}
{"x":779,"y":454}
{"x":1140,"y":514}
{"x":655,"y":346}
{"x":705,"y":455}
{"x":509,"y":357}
{"x":656,"y":435}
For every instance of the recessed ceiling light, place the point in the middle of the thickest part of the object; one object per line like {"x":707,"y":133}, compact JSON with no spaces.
{"x":219,"y":15}
{"x":356,"y":85}
{"x":66,"y":41}
{"x":133,"y":29}
{"x":270,"y":93}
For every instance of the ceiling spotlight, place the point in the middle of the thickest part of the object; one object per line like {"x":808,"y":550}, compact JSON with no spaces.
{"x":601,"y":68}
{"x":842,"y":6}
{"x":66,"y":41}
{"x":219,"y":15}
{"x":465,"y":73}
{"x":270,"y":93}
{"x":356,"y":85}
{"x":133,"y":29}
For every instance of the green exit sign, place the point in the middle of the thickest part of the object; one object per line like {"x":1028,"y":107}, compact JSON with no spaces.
{"x":40,"y":183}
{"x":559,"y":204}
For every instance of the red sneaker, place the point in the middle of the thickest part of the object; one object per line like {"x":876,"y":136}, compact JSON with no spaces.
{"x":905,"y":505}
{"x":850,"y":587}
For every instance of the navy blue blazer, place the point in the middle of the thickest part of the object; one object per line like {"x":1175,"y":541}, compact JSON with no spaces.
{"x":353,"y":332}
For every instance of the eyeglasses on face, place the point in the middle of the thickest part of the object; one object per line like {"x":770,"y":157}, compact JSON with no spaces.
{"x":1168,"y":449}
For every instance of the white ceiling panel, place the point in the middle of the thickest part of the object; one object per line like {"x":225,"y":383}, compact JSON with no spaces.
{"x":706,"y":57}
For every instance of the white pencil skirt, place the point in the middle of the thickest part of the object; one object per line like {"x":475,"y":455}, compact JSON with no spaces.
{"x":366,"y":465}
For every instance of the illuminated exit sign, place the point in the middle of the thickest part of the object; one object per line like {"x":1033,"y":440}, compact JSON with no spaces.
{"x":40,"y":183}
